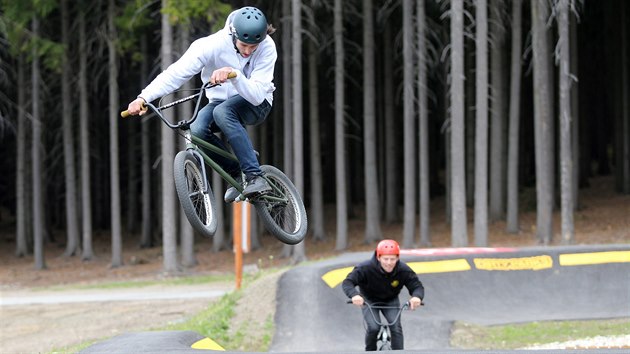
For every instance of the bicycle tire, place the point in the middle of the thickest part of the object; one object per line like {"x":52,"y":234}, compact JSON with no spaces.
{"x":383,"y":341}
{"x":199,"y":207}
{"x":384,"y":346}
{"x":282,"y":210}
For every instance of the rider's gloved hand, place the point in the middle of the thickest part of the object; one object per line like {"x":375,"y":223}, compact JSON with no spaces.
{"x":357,"y":300}
{"x":137,"y":106}
{"x":414,"y":302}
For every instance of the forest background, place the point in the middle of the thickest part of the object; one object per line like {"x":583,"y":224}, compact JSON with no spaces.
{"x":385,"y":112}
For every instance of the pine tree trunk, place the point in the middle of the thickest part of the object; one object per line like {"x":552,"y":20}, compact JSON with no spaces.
{"x":514,"y":119}
{"x":575,"y":127}
{"x":566,"y":159}
{"x":86,"y":194}
{"x":146,"y":238}
{"x":169,"y":211}
{"x":459,"y":232}
{"x":117,"y":259}
{"x":72,"y":215}
{"x":423,"y":127}
{"x":392,"y":177}
{"x":543,"y":121}
{"x":38,"y":193}
{"x":316,"y":216}
{"x":372,"y":203}
{"x":340,"y":151}
{"x":497,"y":122}
{"x":299,"y":252}
{"x":409,"y":134}
{"x":21,"y":244}
{"x":287,"y":108}
{"x":481,"y":125}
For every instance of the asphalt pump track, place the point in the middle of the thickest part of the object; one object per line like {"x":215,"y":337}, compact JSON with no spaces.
{"x":484,"y":286}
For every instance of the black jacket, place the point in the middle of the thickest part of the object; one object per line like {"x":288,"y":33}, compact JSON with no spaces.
{"x":376,"y":285}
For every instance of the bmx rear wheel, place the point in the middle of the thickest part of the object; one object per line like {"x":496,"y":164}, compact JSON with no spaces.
{"x":282,"y":210}
{"x":198,"y":205}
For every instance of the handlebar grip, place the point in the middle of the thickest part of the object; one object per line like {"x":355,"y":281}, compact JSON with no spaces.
{"x":126,"y":113}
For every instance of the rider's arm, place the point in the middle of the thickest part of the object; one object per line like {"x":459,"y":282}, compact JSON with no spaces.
{"x":177,"y":73}
{"x":349,"y":285}
{"x":414,"y":285}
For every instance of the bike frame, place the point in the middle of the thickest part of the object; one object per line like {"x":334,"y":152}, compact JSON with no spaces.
{"x":193,"y":142}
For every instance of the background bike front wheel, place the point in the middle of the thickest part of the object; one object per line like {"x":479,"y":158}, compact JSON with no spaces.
{"x":198,"y":205}
{"x":282,"y":210}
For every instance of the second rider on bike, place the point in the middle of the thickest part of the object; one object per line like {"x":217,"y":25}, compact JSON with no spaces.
{"x":242,"y":47}
{"x":380,"y":280}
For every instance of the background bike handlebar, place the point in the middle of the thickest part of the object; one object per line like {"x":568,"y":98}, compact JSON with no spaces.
{"x":126,"y":114}
{"x":365,"y":303}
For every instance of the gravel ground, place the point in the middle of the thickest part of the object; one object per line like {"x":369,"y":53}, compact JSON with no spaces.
{"x":41,"y":325}
{"x":600,"y":342}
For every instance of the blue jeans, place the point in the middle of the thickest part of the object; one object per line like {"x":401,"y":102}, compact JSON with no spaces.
{"x":230,"y":117}
{"x":373,"y":328}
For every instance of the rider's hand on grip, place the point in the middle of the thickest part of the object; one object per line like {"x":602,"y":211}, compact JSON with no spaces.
{"x":414,"y":303}
{"x":357,"y":300}
{"x":137,"y":106}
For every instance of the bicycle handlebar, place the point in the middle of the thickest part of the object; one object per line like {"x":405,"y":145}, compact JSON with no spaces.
{"x":207,"y":85}
{"x":377,"y":306}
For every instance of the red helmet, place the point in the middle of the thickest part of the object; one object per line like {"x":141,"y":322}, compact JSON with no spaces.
{"x":387,"y":247}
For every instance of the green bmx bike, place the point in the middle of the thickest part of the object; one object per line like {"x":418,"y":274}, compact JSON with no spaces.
{"x":281,"y":210}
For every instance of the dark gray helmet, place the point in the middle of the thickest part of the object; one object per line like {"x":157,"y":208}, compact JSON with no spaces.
{"x":249,"y":25}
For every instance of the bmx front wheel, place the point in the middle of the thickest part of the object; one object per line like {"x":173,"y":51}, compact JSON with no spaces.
{"x":282,"y":210}
{"x":198,"y":205}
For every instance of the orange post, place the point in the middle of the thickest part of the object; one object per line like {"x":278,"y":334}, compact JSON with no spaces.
{"x":241,"y":236}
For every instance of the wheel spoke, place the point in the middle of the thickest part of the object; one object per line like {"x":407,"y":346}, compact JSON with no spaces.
{"x":199,"y":199}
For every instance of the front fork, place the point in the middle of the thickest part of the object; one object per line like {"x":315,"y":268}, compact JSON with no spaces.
{"x":192,"y":148}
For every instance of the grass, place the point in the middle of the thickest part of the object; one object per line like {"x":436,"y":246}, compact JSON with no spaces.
{"x":214,"y":322}
{"x":469,"y":336}
{"x":74,"y":348}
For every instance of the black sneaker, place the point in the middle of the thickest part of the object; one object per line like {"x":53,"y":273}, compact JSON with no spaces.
{"x":232,"y":193}
{"x":256,"y":185}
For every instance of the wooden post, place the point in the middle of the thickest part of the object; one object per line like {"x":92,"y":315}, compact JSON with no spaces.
{"x":241,"y":236}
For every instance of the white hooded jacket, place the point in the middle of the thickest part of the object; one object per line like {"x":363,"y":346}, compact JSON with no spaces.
{"x":254,"y":75}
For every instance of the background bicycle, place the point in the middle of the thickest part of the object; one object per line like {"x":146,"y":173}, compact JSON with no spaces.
{"x":281,"y":210}
{"x":384,"y":335}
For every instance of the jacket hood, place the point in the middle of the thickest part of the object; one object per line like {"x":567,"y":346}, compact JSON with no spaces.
{"x":228,"y":22}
